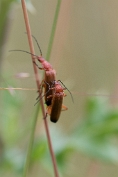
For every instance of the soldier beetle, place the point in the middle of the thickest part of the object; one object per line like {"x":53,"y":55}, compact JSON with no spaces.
{"x":54,"y":92}
{"x":54,"y":110}
{"x":49,"y":76}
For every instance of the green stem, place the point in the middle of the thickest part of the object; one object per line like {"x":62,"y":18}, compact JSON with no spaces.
{"x":4,"y":25}
{"x":53,"y":30}
{"x":28,"y":158}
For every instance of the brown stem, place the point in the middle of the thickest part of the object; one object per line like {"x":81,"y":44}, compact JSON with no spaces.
{"x":38,"y":86}
{"x":93,"y":169}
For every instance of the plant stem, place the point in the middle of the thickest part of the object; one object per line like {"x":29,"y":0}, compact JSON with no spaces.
{"x":41,"y":102}
{"x":4,"y":26}
{"x":27,"y":163}
{"x":53,"y":30}
{"x":93,"y":169}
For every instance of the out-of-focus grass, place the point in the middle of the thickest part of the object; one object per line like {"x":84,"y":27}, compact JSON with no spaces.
{"x":95,"y":136}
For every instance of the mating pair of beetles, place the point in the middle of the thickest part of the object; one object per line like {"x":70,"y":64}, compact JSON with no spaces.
{"x":53,"y":90}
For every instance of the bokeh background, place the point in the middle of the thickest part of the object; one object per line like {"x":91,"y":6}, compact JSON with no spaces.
{"x":85,"y":57}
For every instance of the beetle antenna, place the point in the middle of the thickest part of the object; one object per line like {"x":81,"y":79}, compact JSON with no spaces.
{"x":67,"y":89}
{"x":23,"y":51}
{"x":37,"y":44}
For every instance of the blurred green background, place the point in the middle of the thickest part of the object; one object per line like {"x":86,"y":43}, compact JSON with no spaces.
{"x":84,"y":54}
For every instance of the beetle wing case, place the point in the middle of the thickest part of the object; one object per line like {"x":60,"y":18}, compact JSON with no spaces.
{"x":56,"y":107}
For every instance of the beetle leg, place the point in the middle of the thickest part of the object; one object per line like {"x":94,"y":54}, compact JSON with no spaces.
{"x":38,"y":66}
{"x":64,"y":108}
{"x":49,"y":96}
{"x":40,"y":89}
{"x":48,"y":110}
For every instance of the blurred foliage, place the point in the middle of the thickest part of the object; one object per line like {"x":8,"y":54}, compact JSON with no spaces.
{"x":5,"y":6}
{"x":11,"y":100}
{"x":10,"y":130}
{"x":95,"y":136}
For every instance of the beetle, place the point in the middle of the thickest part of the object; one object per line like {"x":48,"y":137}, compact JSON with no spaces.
{"x":54,"y":110}
{"x":49,"y":77}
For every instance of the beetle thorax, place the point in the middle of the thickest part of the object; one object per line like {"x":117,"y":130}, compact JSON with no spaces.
{"x":46,"y":65}
{"x":58,"y":88}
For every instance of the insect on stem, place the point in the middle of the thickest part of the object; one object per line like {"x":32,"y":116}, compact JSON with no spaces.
{"x":50,"y":73}
{"x":53,"y":90}
{"x":54,"y":110}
